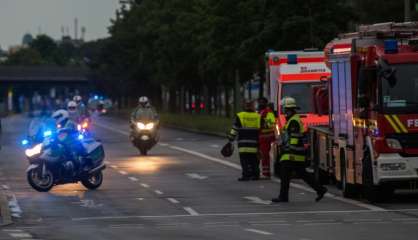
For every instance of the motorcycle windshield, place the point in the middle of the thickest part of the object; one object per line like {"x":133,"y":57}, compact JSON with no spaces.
{"x":38,"y":126}
{"x":145,"y":115}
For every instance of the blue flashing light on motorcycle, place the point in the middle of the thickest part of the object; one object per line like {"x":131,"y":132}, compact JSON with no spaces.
{"x":47,"y":133}
{"x":80,"y":137}
{"x":25,"y":142}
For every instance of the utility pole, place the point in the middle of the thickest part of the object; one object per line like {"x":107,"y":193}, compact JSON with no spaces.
{"x":407,"y":7}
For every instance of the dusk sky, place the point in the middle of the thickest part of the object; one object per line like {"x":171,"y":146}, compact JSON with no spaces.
{"x":18,"y":17}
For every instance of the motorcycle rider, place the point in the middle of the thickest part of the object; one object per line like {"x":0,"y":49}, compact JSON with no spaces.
{"x":73,"y":112}
{"x":144,"y":110}
{"x":67,"y":136}
{"x":81,"y":107}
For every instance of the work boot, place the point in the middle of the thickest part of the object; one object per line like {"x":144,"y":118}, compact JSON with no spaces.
{"x":279,"y":200}
{"x":321,"y":194}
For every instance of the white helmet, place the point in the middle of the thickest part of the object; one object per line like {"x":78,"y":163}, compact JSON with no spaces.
{"x":60,"y":116}
{"x":72,"y":106}
{"x":289,"y":103}
{"x":143,"y":101}
{"x":77,"y":98}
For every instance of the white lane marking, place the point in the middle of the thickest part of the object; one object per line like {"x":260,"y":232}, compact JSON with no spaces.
{"x":158,"y":192}
{"x":20,"y":235}
{"x":5,"y":187}
{"x":145,"y":185}
{"x":236,"y":166}
{"x":243,"y":214}
{"x":123,"y":172}
{"x":173,"y":200}
{"x":88,"y":203}
{"x":257,"y":200}
{"x":134,"y":179}
{"x":258,"y":231}
{"x":191,"y":211}
{"x":15,"y":209}
{"x":214,"y":146}
{"x":12,"y":230}
{"x":114,"y":166}
{"x":196,"y":176}
{"x":179,"y":139}
{"x":107,"y":162}
{"x":325,"y":223}
{"x":140,"y":199}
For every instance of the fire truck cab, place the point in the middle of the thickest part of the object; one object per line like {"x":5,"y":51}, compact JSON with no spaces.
{"x":294,"y":74}
{"x":371,"y":140}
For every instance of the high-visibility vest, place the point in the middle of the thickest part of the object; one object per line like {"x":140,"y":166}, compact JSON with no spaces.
{"x":246,"y":127}
{"x":269,"y":120}
{"x":294,"y":149}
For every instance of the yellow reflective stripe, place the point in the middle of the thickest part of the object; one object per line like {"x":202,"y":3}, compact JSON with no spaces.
{"x":400,"y":124}
{"x":292,"y":157}
{"x":247,"y":150}
{"x":392,"y":124}
{"x":294,"y":141}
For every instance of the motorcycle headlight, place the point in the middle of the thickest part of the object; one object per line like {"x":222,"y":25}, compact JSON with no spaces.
{"x":140,"y":125}
{"x":34,"y":151}
{"x":149,"y":126}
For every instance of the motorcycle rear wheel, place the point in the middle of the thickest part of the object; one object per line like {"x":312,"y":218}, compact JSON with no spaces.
{"x":93,"y":181}
{"x":41,"y":185}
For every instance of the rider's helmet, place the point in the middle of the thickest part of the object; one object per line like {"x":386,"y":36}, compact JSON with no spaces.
{"x":72,"y":106}
{"x":143,"y":101}
{"x":77,"y":99}
{"x":60,"y":117}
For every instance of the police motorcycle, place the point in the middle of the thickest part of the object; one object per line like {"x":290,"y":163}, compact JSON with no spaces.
{"x":144,"y":129}
{"x":51,"y":163}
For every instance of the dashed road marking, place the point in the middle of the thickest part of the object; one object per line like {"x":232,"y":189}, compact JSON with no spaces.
{"x":15,"y":209}
{"x":196,"y":176}
{"x":114,"y":166}
{"x":140,"y":199}
{"x":257,"y":200}
{"x":237,"y":167}
{"x":123,"y":172}
{"x":258,"y":231}
{"x":134,"y":179}
{"x":214,"y":146}
{"x":144,"y":185}
{"x":158,"y":192}
{"x":12,"y":230}
{"x":20,"y":235}
{"x":173,"y":200}
{"x":5,"y":187}
{"x":191,"y":211}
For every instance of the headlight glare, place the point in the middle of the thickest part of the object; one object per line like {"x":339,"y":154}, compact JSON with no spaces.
{"x":140,"y":125}
{"x":34,"y":151}
{"x":149,"y":126}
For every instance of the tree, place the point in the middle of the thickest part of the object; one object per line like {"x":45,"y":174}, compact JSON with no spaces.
{"x":24,"y":57}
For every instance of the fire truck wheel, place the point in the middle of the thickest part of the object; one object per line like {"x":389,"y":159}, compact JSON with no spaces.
{"x":373,"y":193}
{"x":347,"y":188}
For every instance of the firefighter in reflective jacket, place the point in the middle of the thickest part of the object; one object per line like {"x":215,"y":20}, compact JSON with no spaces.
{"x":292,"y":159}
{"x":267,"y":136}
{"x":246,"y":129}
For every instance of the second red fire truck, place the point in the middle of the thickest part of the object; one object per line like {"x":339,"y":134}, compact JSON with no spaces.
{"x":371,"y":139}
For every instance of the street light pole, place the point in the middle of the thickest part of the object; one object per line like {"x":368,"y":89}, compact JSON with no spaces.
{"x":407,"y":7}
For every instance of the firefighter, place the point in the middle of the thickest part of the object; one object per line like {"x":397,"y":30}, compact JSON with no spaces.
{"x":246,"y":129}
{"x":292,"y":159}
{"x":267,"y":136}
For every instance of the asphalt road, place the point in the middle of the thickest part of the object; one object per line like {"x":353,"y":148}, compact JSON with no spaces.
{"x":184,"y":190}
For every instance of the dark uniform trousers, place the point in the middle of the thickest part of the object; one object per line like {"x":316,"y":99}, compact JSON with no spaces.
{"x":250,"y":165}
{"x":289,"y":169}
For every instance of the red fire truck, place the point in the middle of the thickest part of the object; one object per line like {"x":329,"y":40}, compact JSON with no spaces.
{"x":294,"y":74}
{"x":371,"y":140}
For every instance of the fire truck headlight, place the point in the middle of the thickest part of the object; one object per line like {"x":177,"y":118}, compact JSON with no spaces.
{"x":393,"y":143}
{"x":392,"y":166}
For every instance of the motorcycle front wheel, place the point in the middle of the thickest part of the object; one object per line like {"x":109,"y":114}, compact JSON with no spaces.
{"x":93,"y":181}
{"x":38,"y":182}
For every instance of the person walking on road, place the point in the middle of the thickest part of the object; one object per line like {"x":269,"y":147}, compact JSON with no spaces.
{"x":267,"y":136}
{"x":292,"y":159}
{"x":246,"y":129}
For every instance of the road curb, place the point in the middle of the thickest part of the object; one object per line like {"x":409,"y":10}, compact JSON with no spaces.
{"x":6,"y":217}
